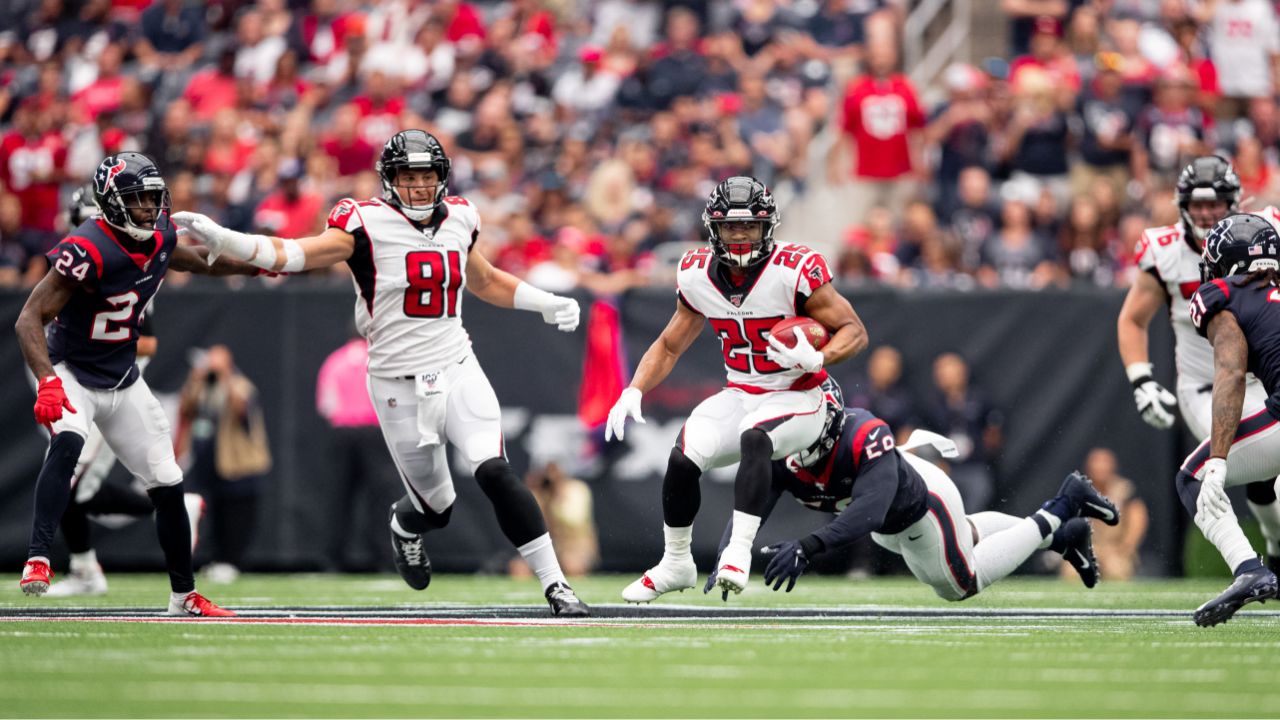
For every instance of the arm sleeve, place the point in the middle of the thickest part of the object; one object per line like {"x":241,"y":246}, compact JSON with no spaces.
{"x":873,"y":493}
{"x":1211,"y":299}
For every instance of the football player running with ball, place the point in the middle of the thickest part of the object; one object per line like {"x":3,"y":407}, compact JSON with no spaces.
{"x":104,"y":276}
{"x":1208,"y":190}
{"x":742,"y":284}
{"x":909,"y":506}
{"x":411,"y":252}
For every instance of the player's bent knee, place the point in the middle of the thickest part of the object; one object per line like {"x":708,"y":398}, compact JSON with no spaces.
{"x":1188,"y":491}
{"x":680,"y":466}
{"x":66,"y":445}
{"x":756,"y":443}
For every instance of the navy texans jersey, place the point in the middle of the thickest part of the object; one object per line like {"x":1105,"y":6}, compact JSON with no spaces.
{"x":1256,"y":308}
{"x":96,"y":333}
{"x":864,"y":463}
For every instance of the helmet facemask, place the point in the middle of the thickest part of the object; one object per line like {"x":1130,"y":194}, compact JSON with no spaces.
{"x":741,"y":243}
{"x":734,"y":207}
{"x":391,"y":186}
{"x":139,"y":211}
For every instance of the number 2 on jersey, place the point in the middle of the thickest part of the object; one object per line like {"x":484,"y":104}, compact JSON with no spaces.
{"x":744,"y":345}
{"x":433,"y":289}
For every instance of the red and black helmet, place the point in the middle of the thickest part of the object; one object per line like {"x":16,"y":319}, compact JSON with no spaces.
{"x":741,"y":199}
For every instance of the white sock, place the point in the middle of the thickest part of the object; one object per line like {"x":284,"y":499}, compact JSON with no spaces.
{"x":1269,"y":521}
{"x":395,"y":528}
{"x":177,"y":598}
{"x":39,"y":558}
{"x":1001,"y":553}
{"x":676,"y":544}
{"x":990,"y":522}
{"x":745,"y":527}
{"x":84,"y":562}
{"x":1226,"y":535}
{"x":541,"y":557}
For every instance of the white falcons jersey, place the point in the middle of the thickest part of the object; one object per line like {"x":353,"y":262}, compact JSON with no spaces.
{"x":742,"y":315}
{"x":1167,"y":253}
{"x":409,"y":279}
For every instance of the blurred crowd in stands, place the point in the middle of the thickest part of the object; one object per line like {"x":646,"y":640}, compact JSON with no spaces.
{"x":589,"y":132}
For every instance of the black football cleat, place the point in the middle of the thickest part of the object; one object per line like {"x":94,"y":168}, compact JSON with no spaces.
{"x":411,"y":560}
{"x":564,"y":603}
{"x":1077,"y":536}
{"x":1088,"y":502}
{"x":1254,"y":586}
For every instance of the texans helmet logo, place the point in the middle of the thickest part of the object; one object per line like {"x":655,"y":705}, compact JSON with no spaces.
{"x":106,"y":175}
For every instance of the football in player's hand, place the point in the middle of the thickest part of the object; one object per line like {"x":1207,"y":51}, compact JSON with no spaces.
{"x":785,"y":331}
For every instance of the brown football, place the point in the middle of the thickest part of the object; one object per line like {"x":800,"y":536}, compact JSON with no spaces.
{"x":785,"y":331}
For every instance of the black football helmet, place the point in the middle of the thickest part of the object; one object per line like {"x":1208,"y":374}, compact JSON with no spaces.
{"x":832,"y":426}
{"x":1239,"y":244}
{"x":131,"y":195}
{"x":81,"y":207}
{"x":413,"y":149}
{"x":741,"y":199}
{"x":1210,"y":178}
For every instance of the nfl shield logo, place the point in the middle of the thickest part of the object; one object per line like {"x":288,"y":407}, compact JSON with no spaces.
{"x":736,"y":300}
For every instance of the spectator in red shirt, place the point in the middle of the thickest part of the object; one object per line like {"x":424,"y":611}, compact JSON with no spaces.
{"x":290,"y":211}
{"x":1049,"y":55}
{"x":345,"y":145}
{"x":33,"y":159}
{"x":881,"y":127}
{"x":463,"y":23}
{"x":213,"y":89}
{"x":106,"y":93}
{"x":380,"y":108}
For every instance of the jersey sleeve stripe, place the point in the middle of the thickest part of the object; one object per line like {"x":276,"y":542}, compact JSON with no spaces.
{"x":860,"y":439}
{"x":1224,"y":287}
{"x":91,"y":249}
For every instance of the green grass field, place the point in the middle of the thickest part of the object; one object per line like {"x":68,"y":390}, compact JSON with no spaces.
{"x":974,"y":659}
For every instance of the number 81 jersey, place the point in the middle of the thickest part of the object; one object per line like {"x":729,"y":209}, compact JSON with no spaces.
{"x":409,"y":278}
{"x":741,"y":314}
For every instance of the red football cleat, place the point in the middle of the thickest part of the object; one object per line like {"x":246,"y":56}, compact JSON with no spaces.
{"x":197,"y":605}
{"x":35,"y":577}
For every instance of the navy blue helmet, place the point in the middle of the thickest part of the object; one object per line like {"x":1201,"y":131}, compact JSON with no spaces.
{"x":131,"y":194}
{"x":1240,"y":244}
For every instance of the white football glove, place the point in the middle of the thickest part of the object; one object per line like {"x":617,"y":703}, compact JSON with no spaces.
{"x":1213,"y":503}
{"x":801,"y":357}
{"x":1155,"y":404}
{"x":627,"y":406}
{"x":562,"y":312}
{"x":218,"y":239}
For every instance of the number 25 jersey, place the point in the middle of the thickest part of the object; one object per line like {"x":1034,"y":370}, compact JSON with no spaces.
{"x":742,"y":314}
{"x":409,"y":278}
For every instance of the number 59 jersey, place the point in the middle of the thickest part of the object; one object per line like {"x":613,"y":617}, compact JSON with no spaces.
{"x":96,"y":332}
{"x":741,"y":314}
{"x":409,"y":278}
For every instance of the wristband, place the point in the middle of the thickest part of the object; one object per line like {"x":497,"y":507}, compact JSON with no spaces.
{"x":1139,"y":372}
{"x":528,"y":297}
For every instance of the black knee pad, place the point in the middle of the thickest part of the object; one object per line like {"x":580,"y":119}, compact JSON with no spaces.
{"x":411,"y":520}
{"x":1188,"y":491}
{"x":64,"y":449}
{"x":1262,"y":492}
{"x":167,"y":494}
{"x":518,"y":513}
{"x":755,"y":443}
{"x":495,"y":473}
{"x":680,"y":468}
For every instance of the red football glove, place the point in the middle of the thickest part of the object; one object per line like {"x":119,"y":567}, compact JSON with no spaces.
{"x":50,"y":399}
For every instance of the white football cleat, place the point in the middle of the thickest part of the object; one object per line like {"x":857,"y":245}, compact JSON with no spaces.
{"x":80,"y":582}
{"x":735,"y":567}
{"x":662,"y":578}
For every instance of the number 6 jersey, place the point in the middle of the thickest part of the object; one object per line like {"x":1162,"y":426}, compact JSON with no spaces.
{"x":742,"y":314}
{"x":96,"y":332}
{"x":409,"y":278}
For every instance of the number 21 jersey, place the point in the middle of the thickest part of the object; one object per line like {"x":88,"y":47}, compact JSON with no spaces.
{"x":409,"y":278}
{"x":741,"y":314}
